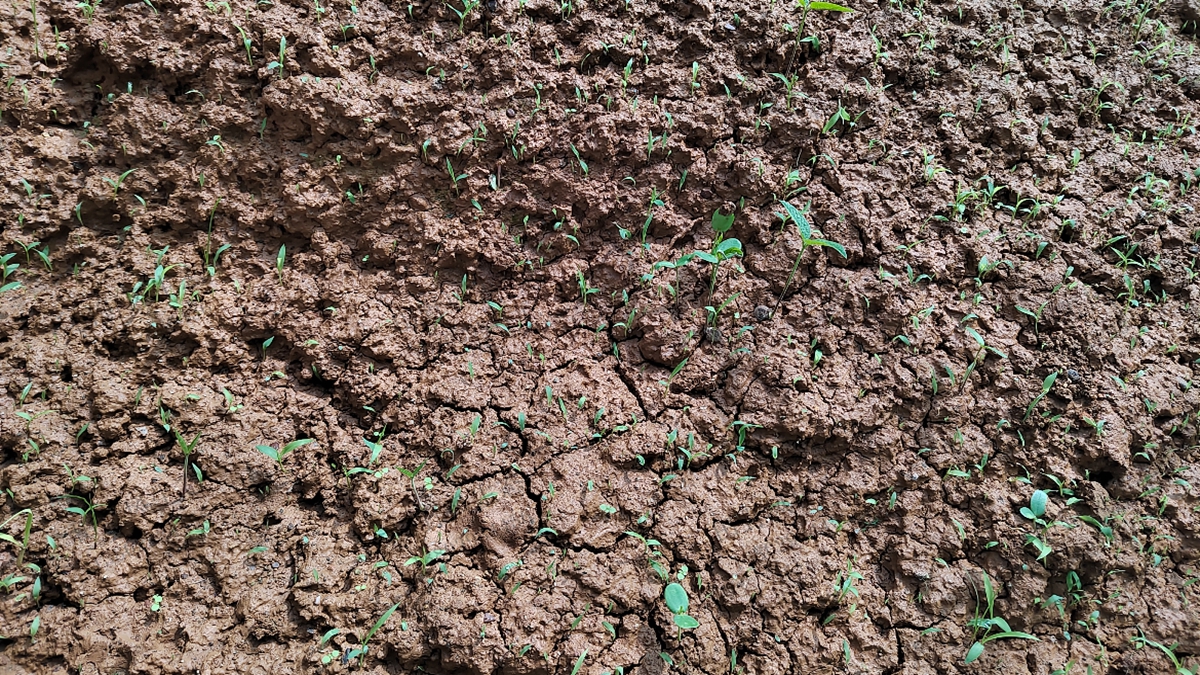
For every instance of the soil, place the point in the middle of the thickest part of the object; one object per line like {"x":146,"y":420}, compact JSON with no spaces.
{"x":428,"y":247}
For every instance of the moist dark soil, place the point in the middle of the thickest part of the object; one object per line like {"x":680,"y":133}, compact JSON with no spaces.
{"x":417,"y":282}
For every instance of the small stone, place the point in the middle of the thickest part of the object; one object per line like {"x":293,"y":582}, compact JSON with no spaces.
{"x":1073,"y":375}
{"x":511,"y":113}
{"x":762,"y":313}
{"x":275,"y":566}
{"x":712,"y":334}
{"x":729,"y":27}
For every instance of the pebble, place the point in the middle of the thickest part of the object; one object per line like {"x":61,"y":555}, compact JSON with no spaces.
{"x":729,"y":27}
{"x":712,"y":334}
{"x":762,"y":313}
{"x":1073,"y":375}
{"x":511,"y":113}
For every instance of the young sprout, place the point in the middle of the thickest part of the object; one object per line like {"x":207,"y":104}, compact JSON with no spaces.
{"x":279,"y":455}
{"x":245,"y":43}
{"x":86,"y":509}
{"x":280,"y":259}
{"x":582,"y":164}
{"x":722,"y":249}
{"x":22,"y":545}
{"x":282,"y":57}
{"x":584,"y":288}
{"x":187,"y":448}
{"x":360,"y":652}
{"x":676,"y":598}
{"x":1046,"y":385}
{"x":455,"y":177}
{"x":807,"y":6}
{"x":210,"y":258}
{"x":985,"y":621}
{"x":468,"y":7}
{"x":425,"y":559}
{"x":676,"y":264}
{"x":806,"y":240}
{"x":116,"y":184}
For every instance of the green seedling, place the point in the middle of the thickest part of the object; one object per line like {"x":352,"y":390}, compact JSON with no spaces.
{"x":675,"y":265}
{"x":806,"y":240}
{"x":1036,"y":315}
{"x":29,"y":418}
{"x":579,"y":662}
{"x":1037,"y":506}
{"x":985,"y":621}
{"x":1046,"y":385}
{"x":201,"y":531}
{"x":412,"y":481}
{"x":360,"y":652}
{"x":88,"y":9}
{"x":116,"y":184}
{"x":282,"y":57}
{"x":468,"y":7}
{"x":676,"y":598}
{"x":722,"y":249}
{"x":230,"y":406}
{"x":584,"y":288}
{"x":280,"y":260}
{"x":6,"y":268}
{"x":87,"y":509}
{"x":714,"y":313}
{"x":807,"y":6}
{"x":187,"y":448}
{"x":655,"y":202}
{"x":583,"y":167}
{"x":456,"y":178}
{"x":22,"y":545}
{"x":245,"y":43}
{"x":1103,"y":527}
{"x":31,"y":246}
{"x":279,"y":455}
{"x":1140,"y":641}
{"x":426,"y":559}
{"x":210,"y":257}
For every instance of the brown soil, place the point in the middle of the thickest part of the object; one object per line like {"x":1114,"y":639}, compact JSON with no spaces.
{"x":834,"y":481}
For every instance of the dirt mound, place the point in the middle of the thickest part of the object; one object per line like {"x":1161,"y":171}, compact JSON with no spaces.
{"x":496,"y":348}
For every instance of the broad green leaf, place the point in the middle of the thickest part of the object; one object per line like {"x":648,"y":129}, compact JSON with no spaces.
{"x":677,"y":598}
{"x":268,"y":451}
{"x":729,"y":248}
{"x":297,"y":444}
{"x":802,"y":224}
{"x":828,"y":244}
{"x":828,"y":7}
{"x":721,"y":222}
{"x":686,"y":622}
{"x":707,"y":257}
{"x":1037,"y":503}
{"x":974,"y":652}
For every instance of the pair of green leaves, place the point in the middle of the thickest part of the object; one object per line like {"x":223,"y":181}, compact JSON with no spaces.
{"x":280,"y":454}
{"x":805,"y":228}
{"x":676,"y":598}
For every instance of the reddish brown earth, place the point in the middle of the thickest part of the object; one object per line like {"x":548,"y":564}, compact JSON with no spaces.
{"x":827,"y":481}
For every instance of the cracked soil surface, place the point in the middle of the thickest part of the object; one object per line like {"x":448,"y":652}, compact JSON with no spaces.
{"x":431,"y":247}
